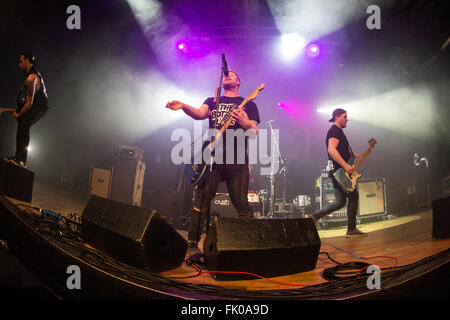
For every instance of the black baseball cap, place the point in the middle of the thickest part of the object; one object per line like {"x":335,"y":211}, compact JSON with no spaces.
{"x":336,"y":113}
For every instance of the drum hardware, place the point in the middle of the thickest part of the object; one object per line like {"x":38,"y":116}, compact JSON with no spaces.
{"x":281,"y":207}
{"x":301,"y":202}
{"x":275,"y":158}
{"x":263,"y":196}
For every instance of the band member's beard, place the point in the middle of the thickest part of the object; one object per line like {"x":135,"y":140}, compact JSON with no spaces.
{"x":228,"y":86}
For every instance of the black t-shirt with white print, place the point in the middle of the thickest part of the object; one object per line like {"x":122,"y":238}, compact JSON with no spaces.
{"x":226,"y":104}
{"x":343,"y":146}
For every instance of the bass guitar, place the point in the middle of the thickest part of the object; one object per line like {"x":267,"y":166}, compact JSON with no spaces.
{"x":348,"y":181}
{"x":196,"y":172}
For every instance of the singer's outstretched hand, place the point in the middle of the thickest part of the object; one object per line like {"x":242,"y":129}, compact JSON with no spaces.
{"x":174,"y":105}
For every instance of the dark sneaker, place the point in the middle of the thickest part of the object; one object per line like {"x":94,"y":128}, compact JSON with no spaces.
{"x":355,"y":234}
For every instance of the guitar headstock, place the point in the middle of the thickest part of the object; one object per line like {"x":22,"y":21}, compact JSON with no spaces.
{"x":255,"y":93}
{"x":372,"y":142}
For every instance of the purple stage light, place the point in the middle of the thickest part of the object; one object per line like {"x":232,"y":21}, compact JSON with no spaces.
{"x":312,"y":50}
{"x":181,"y":46}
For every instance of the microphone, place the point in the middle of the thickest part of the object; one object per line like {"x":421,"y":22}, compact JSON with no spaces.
{"x":224,"y":65}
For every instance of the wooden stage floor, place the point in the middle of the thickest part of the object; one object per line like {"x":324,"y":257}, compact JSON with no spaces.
{"x":396,"y":242}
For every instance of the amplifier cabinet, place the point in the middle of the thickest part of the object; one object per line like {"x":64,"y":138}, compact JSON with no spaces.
{"x":372,"y":197}
{"x":127,"y":181}
{"x":99,"y":184}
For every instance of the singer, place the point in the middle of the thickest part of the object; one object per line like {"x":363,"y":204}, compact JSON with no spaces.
{"x":235,"y":175}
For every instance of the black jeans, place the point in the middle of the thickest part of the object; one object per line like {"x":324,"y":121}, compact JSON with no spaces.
{"x":236,"y":177}
{"x":341,"y":197}
{"x":24,"y":124}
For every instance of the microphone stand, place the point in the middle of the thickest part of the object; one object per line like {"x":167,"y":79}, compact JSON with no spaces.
{"x":272,"y":174}
{"x":218,"y":93}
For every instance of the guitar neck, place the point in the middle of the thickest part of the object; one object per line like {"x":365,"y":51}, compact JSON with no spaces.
{"x":360,"y":160}
{"x":229,"y":116}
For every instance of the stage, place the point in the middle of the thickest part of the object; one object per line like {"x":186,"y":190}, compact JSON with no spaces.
{"x":412,"y":263}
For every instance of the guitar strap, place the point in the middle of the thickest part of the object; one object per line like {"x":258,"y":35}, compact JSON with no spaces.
{"x":351,"y":152}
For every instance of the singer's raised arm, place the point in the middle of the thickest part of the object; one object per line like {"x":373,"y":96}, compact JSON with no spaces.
{"x":195,"y":113}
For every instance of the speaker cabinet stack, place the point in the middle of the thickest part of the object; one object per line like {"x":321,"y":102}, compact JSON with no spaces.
{"x":124,"y":182}
{"x":127,"y":181}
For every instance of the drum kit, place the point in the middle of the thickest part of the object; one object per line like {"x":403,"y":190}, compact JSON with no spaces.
{"x":259,"y":200}
{"x":263,"y":197}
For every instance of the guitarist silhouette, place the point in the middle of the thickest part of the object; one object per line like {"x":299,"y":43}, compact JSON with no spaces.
{"x":233,"y":115}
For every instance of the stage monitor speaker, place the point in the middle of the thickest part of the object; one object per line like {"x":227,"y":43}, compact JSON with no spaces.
{"x":441,"y":218}
{"x":127,"y":181}
{"x":16,"y":182}
{"x":134,"y":235}
{"x":267,"y":247}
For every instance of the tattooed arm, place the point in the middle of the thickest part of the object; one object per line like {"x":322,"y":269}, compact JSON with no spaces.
{"x":31,"y":85}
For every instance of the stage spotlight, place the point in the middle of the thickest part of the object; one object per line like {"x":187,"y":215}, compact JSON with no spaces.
{"x":181,"y":46}
{"x":312,"y":50}
{"x":291,"y":44}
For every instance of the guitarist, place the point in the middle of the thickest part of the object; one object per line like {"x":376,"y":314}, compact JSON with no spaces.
{"x":234,"y":174}
{"x":339,"y":153}
{"x":31,"y":107}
